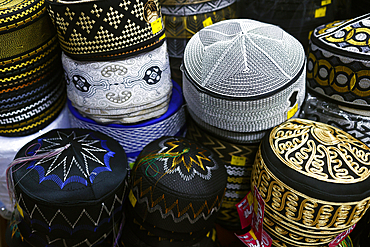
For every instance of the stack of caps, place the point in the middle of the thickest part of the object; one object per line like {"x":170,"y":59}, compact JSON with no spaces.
{"x":69,"y":187}
{"x":9,"y":147}
{"x":314,"y":179}
{"x":241,"y":78}
{"x":185,"y":18}
{"x":115,"y":58}
{"x":338,"y":76}
{"x":32,"y":89}
{"x":133,"y":138}
{"x":297,"y":17}
{"x":177,"y":187}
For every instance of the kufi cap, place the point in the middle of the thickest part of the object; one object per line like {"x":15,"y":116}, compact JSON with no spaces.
{"x":107,"y":30}
{"x":119,"y":87}
{"x":243,"y":75}
{"x":339,"y":60}
{"x":238,"y":160}
{"x":314,"y":179}
{"x":134,"y":137}
{"x":69,"y":187}
{"x":355,"y":122}
{"x":177,"y":185}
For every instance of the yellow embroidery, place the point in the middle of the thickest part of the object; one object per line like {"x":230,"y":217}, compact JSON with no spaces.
{"x":321,"y":151}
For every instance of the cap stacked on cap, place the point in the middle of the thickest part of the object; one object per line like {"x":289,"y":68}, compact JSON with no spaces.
{"x":115,"y":58}
{"x":69,"y":187}
{"x":296,"y":17}
{"x":183,"y":20}
{"x":177,"y":187}
{"x":240,"y":78}
{"x":337,"y":76}
{"x":116,"y":64}
{"x":134,"y":137}
{"x":32,"y":90}
{"x":314,"y":179}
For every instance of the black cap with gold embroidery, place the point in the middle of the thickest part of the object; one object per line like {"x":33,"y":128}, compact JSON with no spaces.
{"x":177,"y":185}
{"x":314,"y":179}
{"x":106,"y":30}
{"x":338,"y":61}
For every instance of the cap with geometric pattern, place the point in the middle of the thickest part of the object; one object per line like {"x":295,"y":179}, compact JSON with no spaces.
{"x":314,"y":179}
{"x":106,"y":30}
{"x":69,"y":187}
{"x":177,"y":185}
{"x":339,"y":60}
{"x":243,"y":75}
{"x":121,"y":89}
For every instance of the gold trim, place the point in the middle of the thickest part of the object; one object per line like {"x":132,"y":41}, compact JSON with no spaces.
{"x":321,"y":151}
{"x":28,"y":73}
{"x":354,"y":77}
{"x":39,"y":9}
{"x":32,"y":53}
{"x":42,"y":55}
{"x":26,"y":39}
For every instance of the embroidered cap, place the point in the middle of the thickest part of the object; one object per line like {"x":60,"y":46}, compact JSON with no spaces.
{"x":121,"y":87}
{"x":314,"y":179}
{"x":338,"y":61}
{"x":106,"y":30}
{"x":177,"y":185}
{"x":134,"y":137}
{"x":243,"y":75}
{"x":70,"y":187}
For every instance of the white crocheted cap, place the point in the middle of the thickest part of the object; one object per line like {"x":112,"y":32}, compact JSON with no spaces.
{"x":243,"y":75}
{"x":243,"y":58}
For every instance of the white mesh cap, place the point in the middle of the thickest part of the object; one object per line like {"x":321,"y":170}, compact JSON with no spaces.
{"x":244,"y":75}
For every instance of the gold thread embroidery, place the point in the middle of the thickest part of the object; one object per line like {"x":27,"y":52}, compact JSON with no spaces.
{"x":319,"y":221}
{"x":321,"y":151}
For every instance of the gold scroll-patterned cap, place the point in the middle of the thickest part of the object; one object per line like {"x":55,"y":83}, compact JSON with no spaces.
{"x":314,"y":179}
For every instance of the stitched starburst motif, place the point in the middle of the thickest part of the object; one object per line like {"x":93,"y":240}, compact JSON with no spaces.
{"x":186,"y":158}
{"x":81,"y":161}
